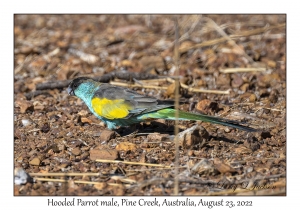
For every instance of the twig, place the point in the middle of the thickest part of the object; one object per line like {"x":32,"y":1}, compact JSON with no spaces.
{"x":129,"y":76}
{"x":78,"y":181}
{"x":205,"y":91}
{"x":223,"y":39}
{"x":234,"y":70}
{"x":222,"y":33}
{"x":105,"y":79}
{"x":177,"y":87}
{"x":146,"y":183}
{"x":36,"y":93}
{"x":127,"y":180}
{"x":153,"y":80}
{"x":53,"y":85}
{"x":131,"y":163}
{"x":151,"y":169}
{"x":278,"y":110}
{"x":137,"y":85}
{"x":65,"y":174}
{"x":199,"y":90}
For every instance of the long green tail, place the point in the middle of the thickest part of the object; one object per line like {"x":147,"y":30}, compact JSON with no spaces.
{"x":169,"y":114}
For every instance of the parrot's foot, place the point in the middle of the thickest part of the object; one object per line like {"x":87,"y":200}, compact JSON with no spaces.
{"x":127,"y":130}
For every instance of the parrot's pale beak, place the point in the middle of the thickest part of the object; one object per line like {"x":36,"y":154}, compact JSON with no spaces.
{"x":70,"y":91}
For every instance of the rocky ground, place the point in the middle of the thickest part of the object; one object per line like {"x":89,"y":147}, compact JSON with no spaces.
{"x":233,"y":66}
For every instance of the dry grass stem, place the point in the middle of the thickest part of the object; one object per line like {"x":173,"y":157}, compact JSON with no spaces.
{"x":177,"y":85}
{"x":76,"y":181}
{"x":132,"y":163}
{"x":138,"y":85}
{"x":235,"y":70}
{"x":151,"y":169}
{"x":196,"y":90}
{"x":232,"y":42}
{"x":205,"y":91}
{"x":64,"y":174}
{"x":234,"y":36}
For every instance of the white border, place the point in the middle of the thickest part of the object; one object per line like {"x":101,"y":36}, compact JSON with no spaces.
{"x":150,"y":7}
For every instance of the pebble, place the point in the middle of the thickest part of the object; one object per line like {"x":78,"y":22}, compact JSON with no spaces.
{"x":100,"y":185}
{"x":157,"y":137}
{"x":107,"y":135}
{"x":21,"y":177}
{"x":222,"y":167}
{"x":250,"y":96}
{"x":204,"y":166}
{"x":76,"y":151}
{"x":203,"y":105}
{"x":26,"y":122}
{"x":35,"y":162}
{"x":106,"y":154}
{"x":126,"y":146}
{"x":193,"y":136}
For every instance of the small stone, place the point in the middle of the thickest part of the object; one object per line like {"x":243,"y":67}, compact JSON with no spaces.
{"x":35,"y":162}
{"x":222,"y":167}
{"x":252,"y":98}
{"x":100,"y":186}
{"x":86,"y":120}
{"x":61,"y":147}
{"x":223,"y":80}
{"x":227,"y":130}
{"x":193,"y":136}
{"x":242,"y":150}
{"x":250,"y":169}
{"x":158,"y":137}
{"x":268,"y":80}
{"x":244,"y":87}
{"x":126,"y":146}
{"x":45,"y":128}
{"x":96,"y":134}
{"x":171,"y":90}
{"x":38,"y":106}
{"x":21,"y":177}
{"x":264,"y":93}
{"x":83,"y":113}
{"x":106,"y":154}
{"x":274,"y":96}
{"x":19,"y":159}
{"x":203,"y":167}
{"x":126,"y":63}
{"x":153,"y":61}
{"x":74,"y":143}
{"x":64,"y":165}
{"x":203,"y":105}
{"x":107,"y":135}
{"x":24,"y":105}
{"x":271,"y":64}
{"x":237,"y":81}
{"x":76,"y":151}
{"x":249,"y":96}
{"x":119,"y":190}
{"x":191,"y":192}
{"x":26,"y":122}
{"x":186,"y":44}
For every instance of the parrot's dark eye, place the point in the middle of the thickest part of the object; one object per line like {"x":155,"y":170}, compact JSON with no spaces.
{"x":75,"y":85}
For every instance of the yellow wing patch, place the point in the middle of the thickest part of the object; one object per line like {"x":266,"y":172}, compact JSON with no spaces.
{"x":110,"y":109}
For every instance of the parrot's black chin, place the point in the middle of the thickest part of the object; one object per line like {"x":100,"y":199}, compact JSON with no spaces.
{"x":70,"y":91}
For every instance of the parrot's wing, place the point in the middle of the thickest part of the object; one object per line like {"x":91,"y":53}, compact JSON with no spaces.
{"x":114,"y":102}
